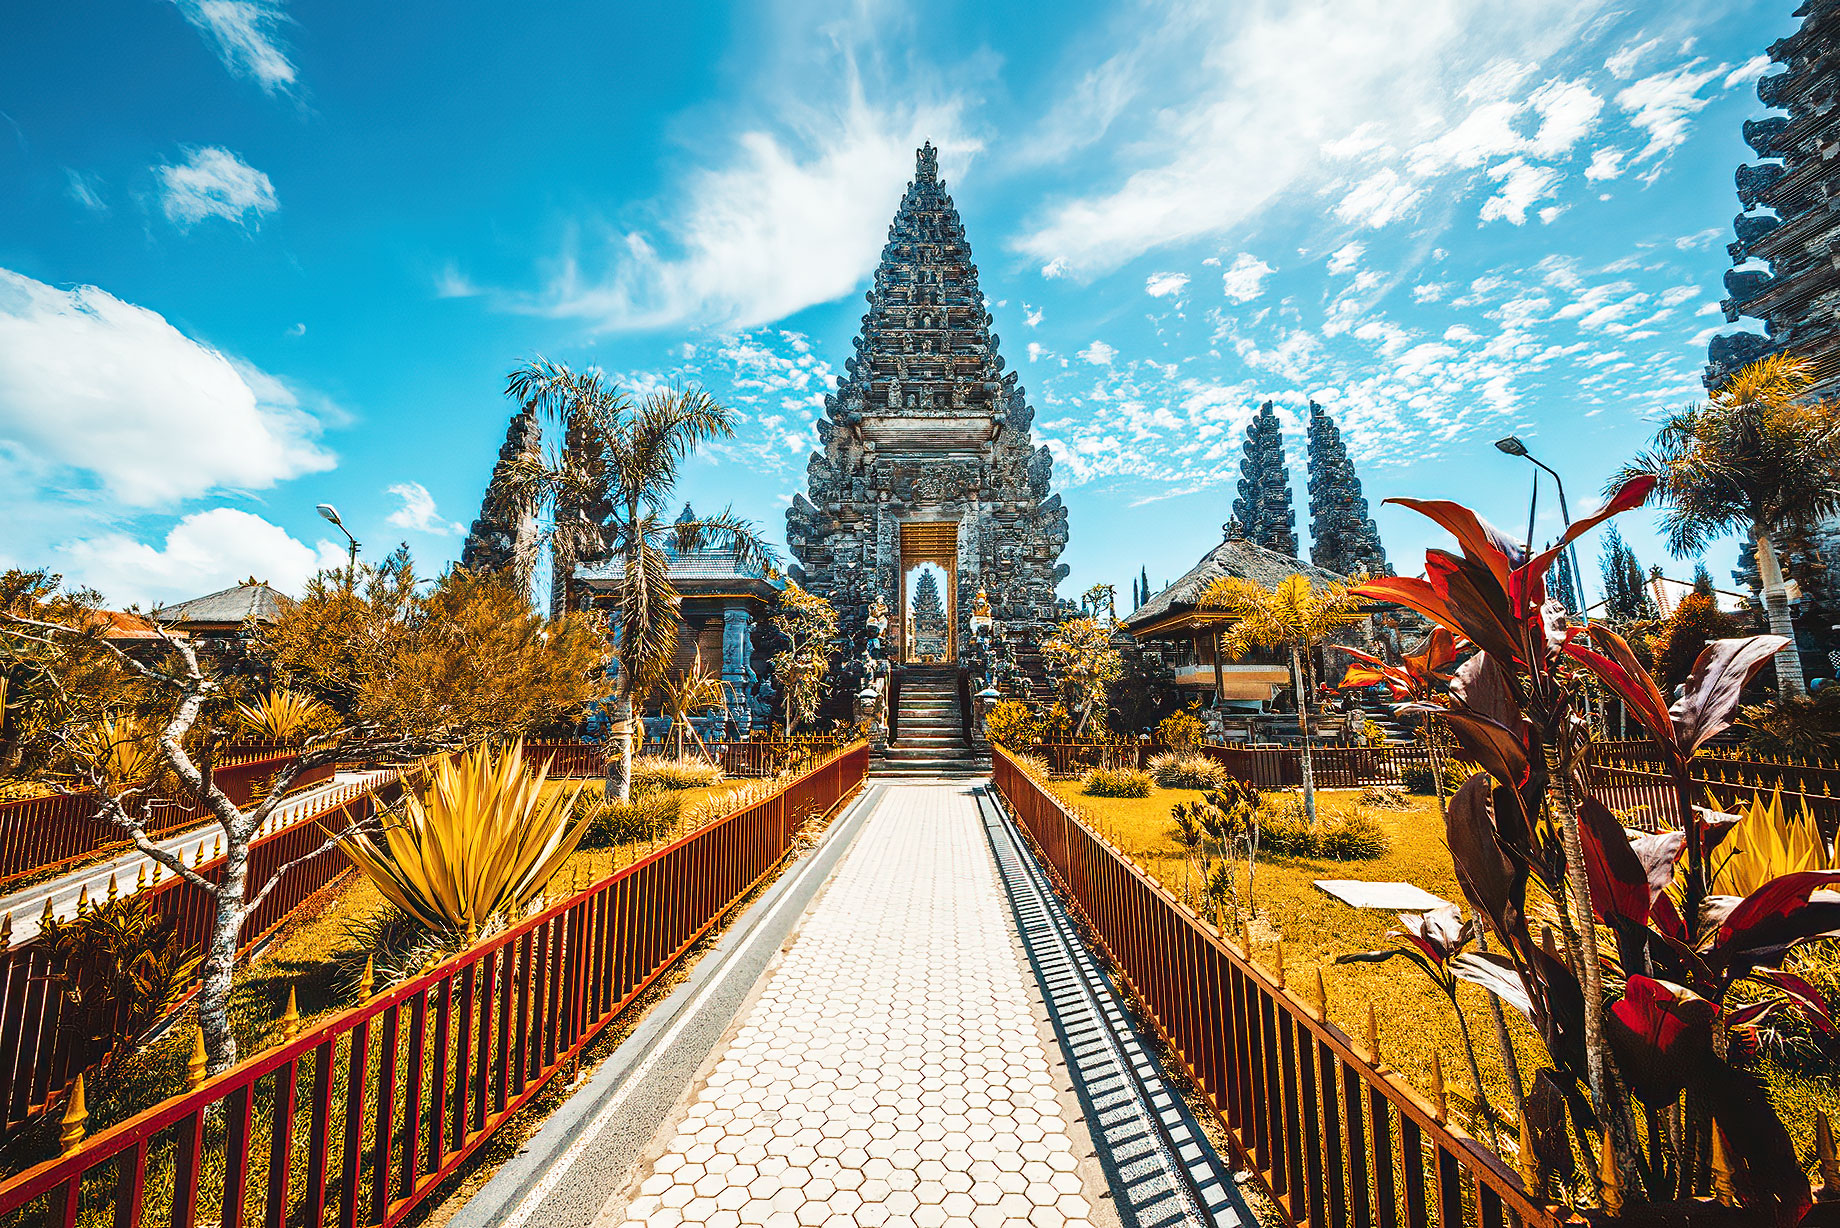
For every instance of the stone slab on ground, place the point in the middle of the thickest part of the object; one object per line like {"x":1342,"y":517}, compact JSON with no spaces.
{"x":1396,"y":897}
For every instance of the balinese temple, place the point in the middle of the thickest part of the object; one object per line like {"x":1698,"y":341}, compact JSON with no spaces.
{"x":1263,"y":508}
{"x":499,"y":536}
{"x":1343,"y":538}
{"x":1784,"y":274}
{"x":925,"y":454}
{"x":725,"y":611}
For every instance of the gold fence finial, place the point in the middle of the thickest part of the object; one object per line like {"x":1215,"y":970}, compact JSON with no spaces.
{"x":1609,"y":1181}
{"x":369,"y":980}
{"x":1322,"y":997}
{"x":76,"y":1117}
{"x":82,"y":897}
{"x":1722,"y":1188}
{"x":200,"y":1060}
{"x":6,"y":932}
{"x":1373,"y":1036}
{"x":140,"y":879}
{"x":49,"y":915}
{"x":290,"y":1018}
{"x":114,"y":888}
{"x":1529,"y":1162}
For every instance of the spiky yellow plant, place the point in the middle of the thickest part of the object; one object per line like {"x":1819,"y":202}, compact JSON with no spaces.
{"x":475,"y":842}
{"x":1768,"y":842}
{"x":285,"y":716}
{"x":123,"y":750}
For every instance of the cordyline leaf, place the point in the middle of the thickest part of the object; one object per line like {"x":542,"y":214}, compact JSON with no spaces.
{"x":1616,"y":666}
{"x":1412,"y":593}
{"x":1494,"y":885}
{"x":1766,"y":1171}
{"x":1496,"y":750}
{"x":1710,"y":699}
{"x":1546,"y":1123}
{"x":1795,"y":993}
{"x":1663,"y":1035}
{"x":1788,"y":910}
{"x":1440,"y":933}
{"x":1627,"y":872}
{"x":1631,"y":494}
{"x":1496,"y":973}
{"x":1439,"y":652}
{"x":1483,"y":686}
{"x":1478,"y":607}
{"x":1480,"y":540}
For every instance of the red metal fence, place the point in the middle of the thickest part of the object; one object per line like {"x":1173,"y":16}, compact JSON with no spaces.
{"x":49,"y":833}
{"x":356,"y":1120}
{"x":754,"y":758}
{"x":1334,"y":1138}
{"x":46,"y":1040}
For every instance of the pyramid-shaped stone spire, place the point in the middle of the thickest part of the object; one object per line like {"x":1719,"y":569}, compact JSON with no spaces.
{"x":1263,"y":508}
{"x":927,"y":428}
{"x":502,"y":533}
{"x":1342,"y":536}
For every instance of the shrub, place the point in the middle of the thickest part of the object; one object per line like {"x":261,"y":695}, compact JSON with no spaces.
{"x":1804,"y":727}
{"x":121,"y":965}
{"x":1384,"y":797}
{"x":1416,"y":778}
{"x":1181,"y":732}
{"x":1351,"y":835}
{"x":1178,"y":771}
{"x":645,"y":818}
{"x":1011,"y":725}
{"x":654,"y":772}
{"x":1117,"y":782}
{"x":397,"y":947}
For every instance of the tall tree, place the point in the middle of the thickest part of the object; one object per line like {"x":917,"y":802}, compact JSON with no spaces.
{"x":604,"y":495}
{"x":1760,"y":454}
{"x":1082,"y":663}
{"x":408,"y":672}
{"x":1626,"y":596}
{"x":808,"y":624}
{"x":1292,"y":617}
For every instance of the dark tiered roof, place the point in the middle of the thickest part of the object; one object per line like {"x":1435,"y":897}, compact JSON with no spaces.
{"x":1264,"y":503}
{"x":1343,"y":538}
{"x":252,"y":600}
{"x":1235,"y":556}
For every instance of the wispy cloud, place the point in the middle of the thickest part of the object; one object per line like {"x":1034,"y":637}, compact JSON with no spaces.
{"x":213,"y":182}
{"x":86,"y":190}
{"x":1244,"y":279}
{"x":417,"y":511}
{"x":246,"y":37}
{"x":1165,"y":285}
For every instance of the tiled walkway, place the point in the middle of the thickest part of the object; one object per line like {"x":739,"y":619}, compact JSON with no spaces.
{"x":893,"y":1068}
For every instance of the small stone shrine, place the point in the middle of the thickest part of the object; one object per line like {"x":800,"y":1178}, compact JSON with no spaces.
{"x":925,"y":453}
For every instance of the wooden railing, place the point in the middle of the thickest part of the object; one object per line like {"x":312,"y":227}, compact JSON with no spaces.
{"x":43,"y":834}
{"x":1333,"y":1137}
{"x":356,"y":1120}
{"x":46,"y":1040}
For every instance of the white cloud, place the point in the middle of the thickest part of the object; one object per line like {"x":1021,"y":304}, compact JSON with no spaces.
{"x":1428,"y":292}
{"x":213,"y":182}
{"x":1662,"y":105}
{"x":204,"y":552}
{"x":1099,"y":354}
{"x":1698,"y":238}
{"x":1622,"y":65}
{"x":775,"y":225}
{"x":1522,"y":184}
{"x":297,"y":330}
{"x":1381,"y":198}
{"x":1606,"y":163}
{"x":1162,"y":285}
{"x":1227,"y":125}
{"x":1035,"y":350}
{"x":418,"y":513}
{"x":1345,"y":258}
{"x":1747,"y":72}
{"x":244,"y":34}
{"x":1031,"y":315}
{"x":85,"y":190}
{"x":122,"y":401}
{"x":1244,"y":279}
{"x":450,"y":282}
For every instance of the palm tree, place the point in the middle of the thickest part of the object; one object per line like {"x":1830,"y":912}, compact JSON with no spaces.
{"x":1294,"y":617}
{"x":603,"y":493}
{"x":1757,"y":455}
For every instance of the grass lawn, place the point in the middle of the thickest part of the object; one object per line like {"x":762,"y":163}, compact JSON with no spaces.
{"x":1414,"y":1017}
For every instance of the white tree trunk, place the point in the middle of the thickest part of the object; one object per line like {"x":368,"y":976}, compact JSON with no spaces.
{"x":1789,"y":679}
{"x":217,"y":974}
{"x":1303,"y":723}
{"x":619,"y":767}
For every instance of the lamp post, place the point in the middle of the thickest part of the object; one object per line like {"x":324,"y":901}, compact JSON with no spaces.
{"x":331,"y":513}
{"x":1513,"y":446}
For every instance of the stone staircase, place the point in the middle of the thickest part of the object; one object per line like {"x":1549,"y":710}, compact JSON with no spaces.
{"x":929,"y":732}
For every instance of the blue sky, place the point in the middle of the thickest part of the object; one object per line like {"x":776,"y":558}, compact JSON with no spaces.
{"x":257,"y":255}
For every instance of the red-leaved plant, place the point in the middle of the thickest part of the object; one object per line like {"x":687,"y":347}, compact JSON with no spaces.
{"x":1637,"y":1018}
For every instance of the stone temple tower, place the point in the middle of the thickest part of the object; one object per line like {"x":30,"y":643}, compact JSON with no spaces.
{"x":1263,"y":508}
{"x":1343,"y":537}
{"x":925,"y":453}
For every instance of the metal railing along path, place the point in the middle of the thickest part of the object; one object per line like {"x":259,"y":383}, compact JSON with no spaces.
{"x":1334,"y":1137}
{"x":355,"y":1121}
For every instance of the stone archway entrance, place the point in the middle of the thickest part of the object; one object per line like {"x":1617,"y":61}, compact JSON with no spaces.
{"x":924,"y":542}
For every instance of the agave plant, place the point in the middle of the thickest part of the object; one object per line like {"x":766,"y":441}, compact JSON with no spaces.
{"x":285,"y":716}
{"x":690,"y":694}
{"x":474,"y":844}
{"x":123,"y":750}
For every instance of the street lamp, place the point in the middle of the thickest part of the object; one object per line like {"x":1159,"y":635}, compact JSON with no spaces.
{"x":1513,"y":446}
{"x":331,"y":513}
